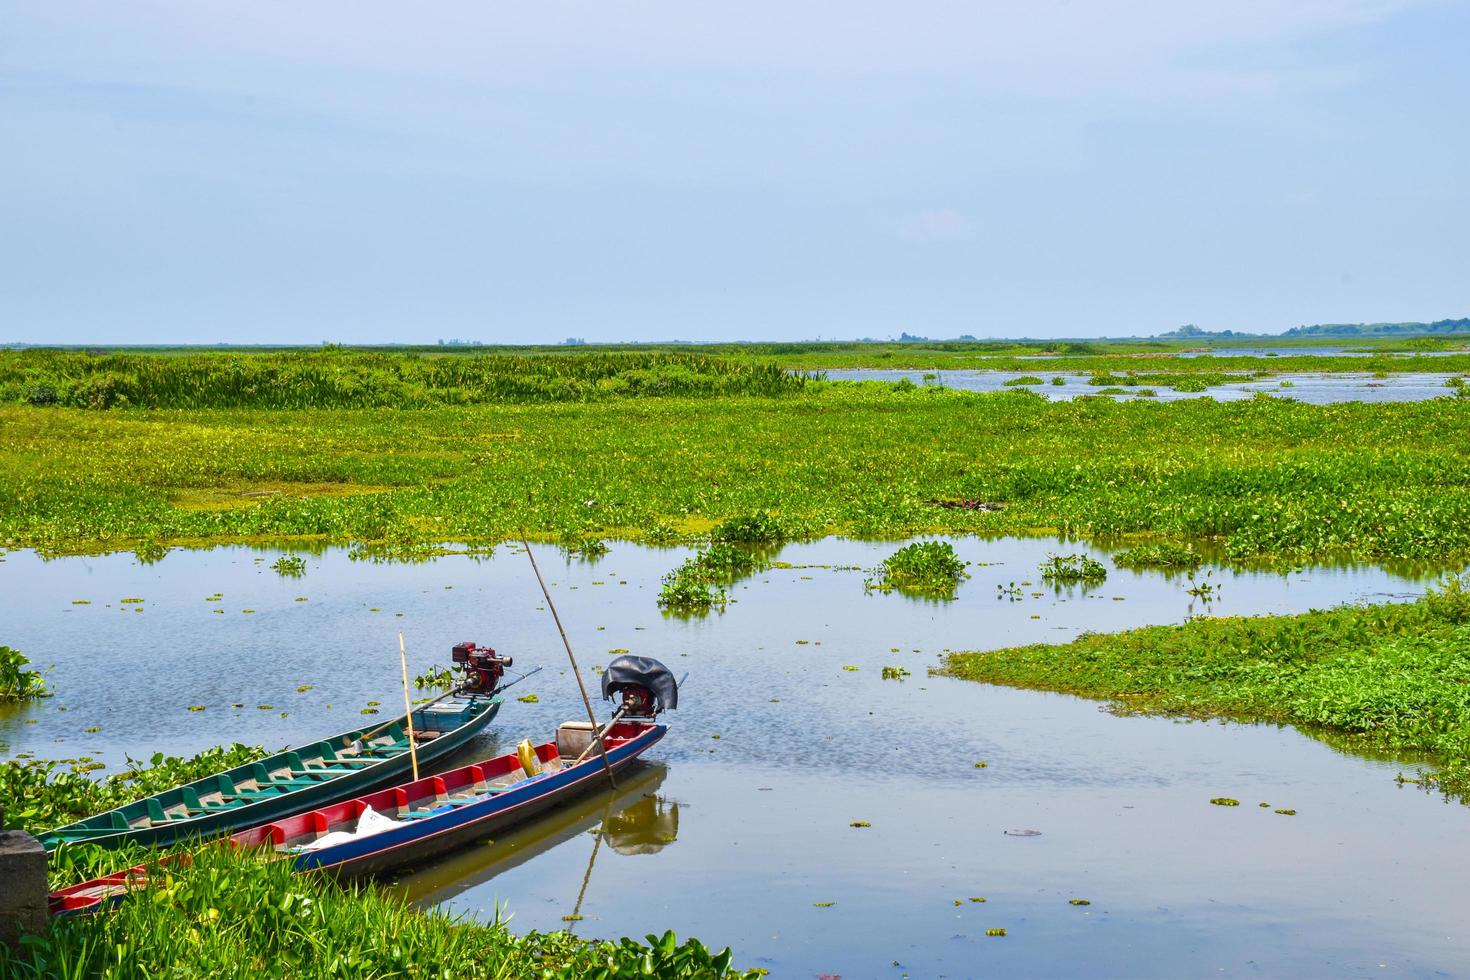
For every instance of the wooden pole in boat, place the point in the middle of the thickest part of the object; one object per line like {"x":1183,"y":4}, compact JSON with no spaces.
{"x":576,"y":672}
{"x":413,"y":754}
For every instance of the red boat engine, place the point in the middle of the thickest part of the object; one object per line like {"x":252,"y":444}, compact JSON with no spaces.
{"x":637,"y":701}
{"x":644,"y":686}
{"x":483,"y":669}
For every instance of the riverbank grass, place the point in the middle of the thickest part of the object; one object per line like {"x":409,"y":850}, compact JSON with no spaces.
{"x":1387,"y":677}
{"x":225,"y":913}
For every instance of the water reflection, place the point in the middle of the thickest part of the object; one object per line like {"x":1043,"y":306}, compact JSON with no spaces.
{"x":646,"y":827}
{"x":789,"y":736}
{"x":632,"y":819}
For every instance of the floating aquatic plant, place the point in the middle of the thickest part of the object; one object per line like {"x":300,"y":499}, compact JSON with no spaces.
{"x":435,"y":677}
{"x":17,"y":683}
{"x":1068,"y":569}
{"x":927,"y":568}
{"x":290,"y":566}
{"x":1158,"y":554}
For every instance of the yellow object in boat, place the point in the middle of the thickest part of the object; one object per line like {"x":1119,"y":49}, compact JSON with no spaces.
{"x":527,"y":753}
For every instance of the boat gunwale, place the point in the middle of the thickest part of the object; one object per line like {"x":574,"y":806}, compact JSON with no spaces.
{"x":58,"y":836}
{"x":532,"y":791}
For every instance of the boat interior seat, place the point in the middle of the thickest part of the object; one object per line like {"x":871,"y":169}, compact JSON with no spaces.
{"x":158,"y":815}
{"x":263,"y":778}
{"x":385,"y":750}
{"x":196,"y":805}
{"x":120,"y":822}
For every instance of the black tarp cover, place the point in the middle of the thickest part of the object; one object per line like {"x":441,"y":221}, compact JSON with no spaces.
{"x":641,"y":670}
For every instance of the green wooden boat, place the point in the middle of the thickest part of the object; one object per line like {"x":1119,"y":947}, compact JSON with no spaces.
{"x":299,"y":779}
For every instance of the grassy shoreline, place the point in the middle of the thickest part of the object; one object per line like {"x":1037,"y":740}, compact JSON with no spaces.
{"x":1265,"y":481}
{"x":218,"y":912}
{"x":1392,"y":678}
{"x":223,"y":913}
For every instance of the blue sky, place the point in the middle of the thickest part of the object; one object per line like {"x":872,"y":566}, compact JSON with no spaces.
{"x":370,"y":171}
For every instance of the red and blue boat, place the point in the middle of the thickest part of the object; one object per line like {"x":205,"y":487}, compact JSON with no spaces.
{"x":417,"y":822}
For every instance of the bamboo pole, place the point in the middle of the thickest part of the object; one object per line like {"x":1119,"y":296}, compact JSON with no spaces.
{"x":576,"y":671}
{"x":413,"y":753}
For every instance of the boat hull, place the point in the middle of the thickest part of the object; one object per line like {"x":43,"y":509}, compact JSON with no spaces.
{"x":205,"y":826}
{"x":427,"y":840}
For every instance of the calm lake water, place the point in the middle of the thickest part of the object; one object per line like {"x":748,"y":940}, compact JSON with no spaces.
{"x":1312,"y":388}
{"x":737,"y":829}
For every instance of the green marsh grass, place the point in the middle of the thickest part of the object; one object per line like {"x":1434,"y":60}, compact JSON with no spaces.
{"x":334,"y":378}
{"x":224,"y":913}
{"x":1267,"y":481}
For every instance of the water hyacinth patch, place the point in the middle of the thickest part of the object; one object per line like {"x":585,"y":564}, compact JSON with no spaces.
{"x":585,"y":548}
{"x":289,"y":566}
{"x":925,"y":568}
{"x":58,"y":792}
{"x":17,"y":683}
{"x":698,"y":584}
{"x":1068,"y":569}
{"x":690,"y":589}
{"x":1158,"y":554}
{"x":758,"y":528}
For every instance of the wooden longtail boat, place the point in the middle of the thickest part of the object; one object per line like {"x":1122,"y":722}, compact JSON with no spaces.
{"x":415,"y":822}
{"x":298,"y":779}
{"x":442,"y":813}
{"x":421,"y":820}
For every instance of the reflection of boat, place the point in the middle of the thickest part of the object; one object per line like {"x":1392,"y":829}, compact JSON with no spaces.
{"x":643,"y":828}
{"x":464,"y":870}
{"x":308,"y":776}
